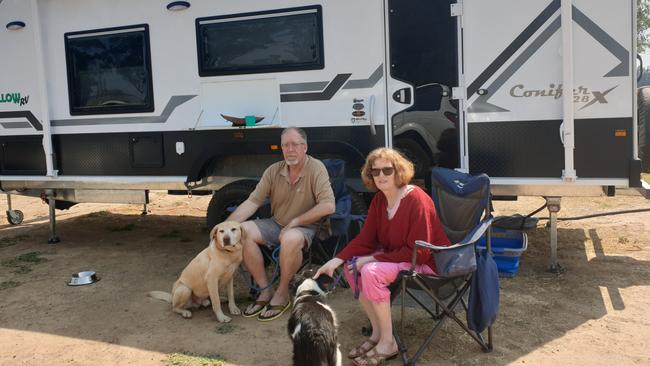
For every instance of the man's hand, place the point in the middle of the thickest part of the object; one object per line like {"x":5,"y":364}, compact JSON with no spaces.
{"x":293,"y":223}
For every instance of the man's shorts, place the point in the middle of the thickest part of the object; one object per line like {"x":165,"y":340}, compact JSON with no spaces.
{"x":270,"y":231}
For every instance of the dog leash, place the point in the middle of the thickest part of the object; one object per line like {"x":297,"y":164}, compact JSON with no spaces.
{"x":275,"y":255}
{"x":337,"y":280}
{"x":355,"y":274}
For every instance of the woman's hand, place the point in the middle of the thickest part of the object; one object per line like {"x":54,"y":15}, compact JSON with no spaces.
{"x":329,"y":267}
{"x":361,"y":261}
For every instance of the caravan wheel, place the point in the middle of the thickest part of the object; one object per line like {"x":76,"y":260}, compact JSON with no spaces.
{"x":225,"y":200}
{"x":15,"y":217}
{"x":416,"y":153}
{"x":644,"y":128}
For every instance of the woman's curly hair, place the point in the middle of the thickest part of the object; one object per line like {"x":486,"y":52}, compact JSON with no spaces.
{"x":403,"y":167}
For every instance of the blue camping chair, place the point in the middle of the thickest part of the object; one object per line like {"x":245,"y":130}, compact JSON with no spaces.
{"x":333,"y":236}
{"x":462,"y":203}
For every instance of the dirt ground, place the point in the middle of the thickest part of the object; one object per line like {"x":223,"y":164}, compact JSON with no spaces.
{"x":595,"y":313}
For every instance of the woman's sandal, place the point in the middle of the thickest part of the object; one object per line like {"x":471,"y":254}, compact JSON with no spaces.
{"x":374,"y":358}
{"x":361,"y":350}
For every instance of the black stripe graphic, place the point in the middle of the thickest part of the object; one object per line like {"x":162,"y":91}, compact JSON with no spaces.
{"x":326,"y":94}
{"x":23,"y":114}
{"x":544,"y":16}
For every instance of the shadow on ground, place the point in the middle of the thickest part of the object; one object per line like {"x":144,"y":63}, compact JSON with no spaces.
{"x":135,"y":254}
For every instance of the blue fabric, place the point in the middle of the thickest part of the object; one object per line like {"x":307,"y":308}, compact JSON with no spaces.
{"x":341,"y":218}
{"x":483,"y":305}
{"x":461,"y":185}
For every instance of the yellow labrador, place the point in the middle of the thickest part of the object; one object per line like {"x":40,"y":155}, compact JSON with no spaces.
{"x":200,"y":281}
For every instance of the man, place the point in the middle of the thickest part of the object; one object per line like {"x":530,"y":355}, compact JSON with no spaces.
{"x":300,"y":194}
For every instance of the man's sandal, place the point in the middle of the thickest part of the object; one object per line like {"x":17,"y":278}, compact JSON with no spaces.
{"x":261,"y":304}
{"x":361,"y":350}
{"x":374,"y":358}
{"x":281,"y":309}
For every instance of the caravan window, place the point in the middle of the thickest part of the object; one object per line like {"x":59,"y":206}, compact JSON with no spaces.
{"x":270,"y":41}
{"x":109,"y":71}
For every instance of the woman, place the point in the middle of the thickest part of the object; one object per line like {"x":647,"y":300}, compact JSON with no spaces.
{"x":399,"y":215}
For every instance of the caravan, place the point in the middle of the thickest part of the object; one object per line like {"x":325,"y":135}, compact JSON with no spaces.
{"x":103,"y":101}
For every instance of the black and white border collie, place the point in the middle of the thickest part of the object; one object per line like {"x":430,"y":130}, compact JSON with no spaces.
{"x":313,"y":326}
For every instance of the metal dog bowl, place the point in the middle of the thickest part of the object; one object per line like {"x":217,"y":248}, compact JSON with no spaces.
{"x":83,"y":278}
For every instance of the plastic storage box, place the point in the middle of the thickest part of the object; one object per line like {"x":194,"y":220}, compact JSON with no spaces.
{"x":507,"y":247}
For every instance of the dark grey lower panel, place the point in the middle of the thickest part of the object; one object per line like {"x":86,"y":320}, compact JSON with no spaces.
{"x":154,"y":153}
{"x":533,"y":149}
{"x":22,"y":155}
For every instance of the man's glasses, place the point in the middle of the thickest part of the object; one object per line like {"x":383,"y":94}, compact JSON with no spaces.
{"x":293,"y":145}
{"x":388,"y":171}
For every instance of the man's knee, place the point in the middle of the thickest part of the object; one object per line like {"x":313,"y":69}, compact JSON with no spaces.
{"x":250,"y":234}
{"x":292,"y":241}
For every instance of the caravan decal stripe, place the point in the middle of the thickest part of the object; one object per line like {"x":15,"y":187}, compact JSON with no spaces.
{"x":366,"y":83}
{"x":330,"y":88}
{"x":481,"y":105}
{"x":327,"y":94}
{"x":607,"y":41}
{"x":15,"y":124}
{"x":174,"y":102}
{"x":542,"y":18}
{"x":303,"y":87}
{"x":23,"y":114}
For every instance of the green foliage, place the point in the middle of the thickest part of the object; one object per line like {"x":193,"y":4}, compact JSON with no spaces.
{"x":22,"y":263}
{"x":188,"y":359}
{"x":642,"y":25}
{"x":224,"y":328}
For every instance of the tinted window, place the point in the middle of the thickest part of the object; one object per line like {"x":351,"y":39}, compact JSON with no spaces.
{"x":282,"y":40}
{"x":109,"y":71}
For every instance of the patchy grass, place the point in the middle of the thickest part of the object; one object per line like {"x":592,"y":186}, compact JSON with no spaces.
{"x":119,"y":228}
{"x":23,"y":263}
{"x":8,"y":284}
{"x":170,"y":234}
{"x":225,"y":328}
{"x":22,"y":269}
{"x":98,"y":214}
{"x":8,"y":242}
{"x":31,"y":257}
{"x":189,"y":359}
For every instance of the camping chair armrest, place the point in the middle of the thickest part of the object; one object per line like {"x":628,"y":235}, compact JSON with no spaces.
{"x":423,"y":244}
{"x":477,"y":232}
{"x":471,"y":238}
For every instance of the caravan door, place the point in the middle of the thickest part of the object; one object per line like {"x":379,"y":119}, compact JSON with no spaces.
{"x":422,"y":69}
{"x":514,"y":83}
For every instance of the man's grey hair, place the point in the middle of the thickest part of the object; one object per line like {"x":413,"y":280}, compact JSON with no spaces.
{"x":300,"y":131}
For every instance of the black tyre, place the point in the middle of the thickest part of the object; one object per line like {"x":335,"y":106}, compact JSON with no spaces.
{"x":416,"y":153}
{"x":359,"y":207}
{"x":225,"y":200}
{"x":644,"y":126}
{"x":15,"y":217}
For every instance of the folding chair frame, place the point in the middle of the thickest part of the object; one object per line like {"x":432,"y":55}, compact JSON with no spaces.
{"x":443,"y":311}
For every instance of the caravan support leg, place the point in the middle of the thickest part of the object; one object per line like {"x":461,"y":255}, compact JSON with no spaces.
{"x":49,"y":194}
{"x":145,"y":210}
{"x":553,"y":204}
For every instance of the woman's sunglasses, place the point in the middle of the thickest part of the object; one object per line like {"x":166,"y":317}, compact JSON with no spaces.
{"x":388,"y":171}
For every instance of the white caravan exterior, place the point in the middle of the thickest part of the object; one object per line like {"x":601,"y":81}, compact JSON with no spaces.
{"x":100,"y":96}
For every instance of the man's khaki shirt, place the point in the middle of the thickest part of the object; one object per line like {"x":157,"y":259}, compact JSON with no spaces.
{"x":289,"y":201}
